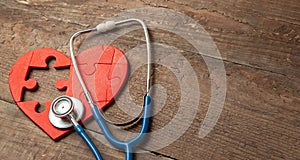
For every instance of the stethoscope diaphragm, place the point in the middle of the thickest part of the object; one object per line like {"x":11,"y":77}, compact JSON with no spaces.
{"x":63,"y":106}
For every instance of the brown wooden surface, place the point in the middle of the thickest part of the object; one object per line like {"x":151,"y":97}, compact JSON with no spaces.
{"x":259,"y":43}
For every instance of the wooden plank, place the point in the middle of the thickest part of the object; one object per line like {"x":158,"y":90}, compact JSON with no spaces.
{"x":247,"y":31}
{"x":254,"y":37}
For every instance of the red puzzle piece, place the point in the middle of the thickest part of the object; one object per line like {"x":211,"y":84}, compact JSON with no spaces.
{"x":114,"y":75}
{"x":37,"y":59}
{"x":19,"y":82}
{"x":88,"y":62}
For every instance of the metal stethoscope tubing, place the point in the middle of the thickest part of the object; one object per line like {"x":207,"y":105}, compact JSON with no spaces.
{"x":98,"y":115}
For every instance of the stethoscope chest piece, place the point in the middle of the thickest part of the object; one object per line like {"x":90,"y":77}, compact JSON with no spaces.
{"x":61,"y":108}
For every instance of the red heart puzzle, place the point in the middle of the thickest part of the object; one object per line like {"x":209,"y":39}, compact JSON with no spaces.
{"x":105,"y":60}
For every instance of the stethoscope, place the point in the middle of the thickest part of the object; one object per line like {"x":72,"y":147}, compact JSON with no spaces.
{"x":66,"y":111}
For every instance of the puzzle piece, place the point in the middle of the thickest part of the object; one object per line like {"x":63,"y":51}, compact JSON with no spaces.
{"x":36,"y":59}
{"x":102,"y":61}
{"x":40,"y":60}
{"x":18,"y":76}
{"x":92,"y":56}
{"x":19,"y":82}
{"x":114,"y":76}
{"x":117,"y":74}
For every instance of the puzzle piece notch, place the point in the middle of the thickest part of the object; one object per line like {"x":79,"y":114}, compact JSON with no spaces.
{"x":41,"y":60}
{"x":62,"y":84}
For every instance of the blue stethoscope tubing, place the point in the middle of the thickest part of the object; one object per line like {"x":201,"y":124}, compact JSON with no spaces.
{"x":80,"y":131}
{"x":126,"y":146}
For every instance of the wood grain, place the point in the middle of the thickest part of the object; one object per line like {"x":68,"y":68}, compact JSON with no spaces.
{"x":259,"y":44}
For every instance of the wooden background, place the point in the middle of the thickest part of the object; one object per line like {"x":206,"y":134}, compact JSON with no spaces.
{"x":259,"y":43}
